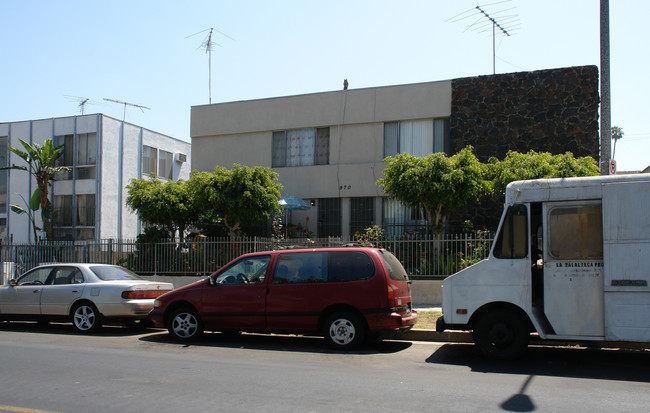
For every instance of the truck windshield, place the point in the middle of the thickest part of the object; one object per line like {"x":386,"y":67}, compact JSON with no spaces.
{"x":512,"y":241}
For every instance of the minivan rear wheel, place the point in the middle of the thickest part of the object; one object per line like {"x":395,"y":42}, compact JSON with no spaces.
{"x":344,"y":331}
{"x":184,"y":324}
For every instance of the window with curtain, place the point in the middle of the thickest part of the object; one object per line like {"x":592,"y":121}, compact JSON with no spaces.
{"x":62,"y":210}
{"x":165,"y":163}
{"x":149,"y":160}
{"x":67,"y":159}
{"x":399,"y":219}
{"x":300,"y":147}
{"x":416,"y":137}
{"x":86,"y":210}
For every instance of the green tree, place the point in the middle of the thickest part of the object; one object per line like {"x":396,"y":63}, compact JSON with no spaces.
{"x":41,"y":164}
{"x":436,"y":182}
{"x":237,"y":195}
{"x":169,"y":205}
{"x":536,"y":165}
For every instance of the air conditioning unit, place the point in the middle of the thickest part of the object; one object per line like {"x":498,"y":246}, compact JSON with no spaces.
{"x":181,"y":157}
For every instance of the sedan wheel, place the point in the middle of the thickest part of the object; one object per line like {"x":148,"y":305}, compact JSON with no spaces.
{"x":184,"y":324}
{"x":86,"y":318}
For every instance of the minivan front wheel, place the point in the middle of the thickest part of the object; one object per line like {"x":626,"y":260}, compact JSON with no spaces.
{"x":184,"y":324}
{"x":344,"y":331}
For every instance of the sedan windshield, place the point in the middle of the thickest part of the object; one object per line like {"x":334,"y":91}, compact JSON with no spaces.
{"x":114,"y":273}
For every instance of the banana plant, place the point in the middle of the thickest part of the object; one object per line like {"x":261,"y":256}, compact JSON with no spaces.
{"x":41,"y":164}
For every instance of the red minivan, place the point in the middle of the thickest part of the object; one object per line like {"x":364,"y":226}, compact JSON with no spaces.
{"x":344,"y":294}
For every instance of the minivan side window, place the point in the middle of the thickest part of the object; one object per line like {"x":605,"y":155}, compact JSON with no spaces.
{"x":350,"y":266}
{"x":321,"y":266}
{"x":301,"y":267}
{"x":250,"y":270}
{"x":512,"y":241}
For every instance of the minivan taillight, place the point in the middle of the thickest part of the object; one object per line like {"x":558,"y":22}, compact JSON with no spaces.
{"x":142,"y":294}
{"x":392,"y":301}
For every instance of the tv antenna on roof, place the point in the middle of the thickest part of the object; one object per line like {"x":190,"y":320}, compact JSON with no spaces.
{"x":82,"y":102}
{"x":127,"y":104}
{"x":507,"y":24}
{"x":208,"y":45}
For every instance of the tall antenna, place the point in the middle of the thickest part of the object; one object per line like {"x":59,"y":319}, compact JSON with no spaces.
{"x":208,"y":45}
{"x":507,"y":24}
{"x":127,"y":104}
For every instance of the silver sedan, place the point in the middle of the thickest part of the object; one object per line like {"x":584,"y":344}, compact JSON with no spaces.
{"x":85,"y":294}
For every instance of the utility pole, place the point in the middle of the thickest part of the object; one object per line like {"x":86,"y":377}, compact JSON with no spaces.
{"x":605,"y":113}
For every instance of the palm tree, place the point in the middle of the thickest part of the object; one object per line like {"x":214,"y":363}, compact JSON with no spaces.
{"x":41,"y":164}
{"x":617,"y":133}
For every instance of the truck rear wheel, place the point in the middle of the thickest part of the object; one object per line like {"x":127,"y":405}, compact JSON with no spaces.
{"x":501,"y":334}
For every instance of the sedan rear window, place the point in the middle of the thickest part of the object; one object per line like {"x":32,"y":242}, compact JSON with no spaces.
{"x":114,"y":273}
{"x":394,"y":268}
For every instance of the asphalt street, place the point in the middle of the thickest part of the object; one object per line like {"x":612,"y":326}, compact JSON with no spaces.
{"x":52,"y":369}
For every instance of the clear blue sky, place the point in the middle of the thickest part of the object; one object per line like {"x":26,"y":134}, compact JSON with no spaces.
{"x":139,"y":51}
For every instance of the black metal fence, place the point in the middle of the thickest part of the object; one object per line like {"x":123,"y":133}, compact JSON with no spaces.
{"x":432,"y":258}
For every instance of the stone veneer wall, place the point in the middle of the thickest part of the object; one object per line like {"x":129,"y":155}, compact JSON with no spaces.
{"x":553,"y":110}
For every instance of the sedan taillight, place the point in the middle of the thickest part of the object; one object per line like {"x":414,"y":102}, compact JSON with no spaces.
{"x":142,"y":294}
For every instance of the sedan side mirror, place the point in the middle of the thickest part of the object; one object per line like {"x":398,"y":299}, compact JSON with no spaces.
{"x":12,"y":282}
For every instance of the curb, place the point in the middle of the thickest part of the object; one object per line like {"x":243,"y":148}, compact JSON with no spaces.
{"x":433,"y":335}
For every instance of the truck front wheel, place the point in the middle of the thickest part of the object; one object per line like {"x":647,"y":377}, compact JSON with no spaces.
{"x":501,"y":334}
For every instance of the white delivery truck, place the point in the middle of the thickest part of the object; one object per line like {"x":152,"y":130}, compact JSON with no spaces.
{"x":570,"y":261}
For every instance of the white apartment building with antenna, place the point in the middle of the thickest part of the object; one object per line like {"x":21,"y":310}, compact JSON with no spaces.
{"x":103,"y":154}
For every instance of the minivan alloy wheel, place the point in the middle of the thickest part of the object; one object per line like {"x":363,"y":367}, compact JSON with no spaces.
{"x":184,"y":324}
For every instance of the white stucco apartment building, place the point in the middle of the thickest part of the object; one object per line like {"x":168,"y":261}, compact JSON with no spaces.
{"x":103,"y":155}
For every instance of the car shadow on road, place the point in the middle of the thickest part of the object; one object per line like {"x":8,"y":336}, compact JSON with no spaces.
{"x":570,"y":362}
{"x":278,"y":342}
{"x":67,"y":329}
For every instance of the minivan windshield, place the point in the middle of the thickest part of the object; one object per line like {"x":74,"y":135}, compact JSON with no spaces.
{"x":395,"y":269}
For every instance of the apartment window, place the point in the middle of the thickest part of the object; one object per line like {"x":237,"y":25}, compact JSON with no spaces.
{"x":86,"y":155}
{"x":86,"y":152}
{"x":416,"y":137}
{"x":67,"y":159}
{"x":300,"y":147}
{"x":399,"y":220}
{"x":149,"y":160}
{"x":86,"y":210}
{"x":74,"y":224}
{"x":165,"y":163}
{"x":4,"y":143}
{"x":329,"y":217}
{"x":362,"y":213}
{"x":62,"y":211}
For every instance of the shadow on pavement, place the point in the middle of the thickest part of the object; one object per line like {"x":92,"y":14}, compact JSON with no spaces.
{"x":277,"y":342}
{"x":109,"y":330}
{"x":605,"y":364}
